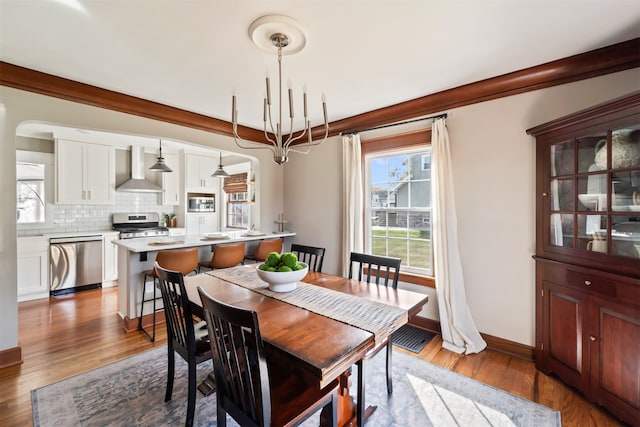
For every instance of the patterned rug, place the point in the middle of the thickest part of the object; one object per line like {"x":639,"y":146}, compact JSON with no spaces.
{"x":131,"y":393}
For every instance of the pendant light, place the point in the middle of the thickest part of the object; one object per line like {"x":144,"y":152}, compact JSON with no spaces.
{"x":220,"y":173}
{"x":160,"y":165}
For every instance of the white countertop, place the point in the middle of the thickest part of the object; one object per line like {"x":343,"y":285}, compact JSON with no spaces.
{"x":68,"y":234}
{"x":150,"y":244}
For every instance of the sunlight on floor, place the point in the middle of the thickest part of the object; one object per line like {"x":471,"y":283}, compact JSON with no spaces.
{"x":446,"y":408}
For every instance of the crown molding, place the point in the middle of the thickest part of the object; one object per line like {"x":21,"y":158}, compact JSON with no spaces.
{"x":598,"y":62}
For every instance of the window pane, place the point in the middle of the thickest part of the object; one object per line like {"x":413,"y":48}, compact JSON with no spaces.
{"x":625,"y":235}
{"x":420,"y":253}
{"x":588,"y":147}
{"x":426,"y":161}
{"x":421,"y":194}
{"x":562,"y":195}
{"x":379,"y":246}
{"x":562,"y":159}
{"x":561,"y":230}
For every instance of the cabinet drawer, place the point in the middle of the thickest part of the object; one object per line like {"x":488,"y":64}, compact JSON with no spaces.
{"x":591,"y":282}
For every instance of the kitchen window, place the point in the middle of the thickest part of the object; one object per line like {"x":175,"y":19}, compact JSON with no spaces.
{"x":237,"y":211}
{"x":397,"y":174}
{"x":235,"y":188}
{"x":30,"y":193}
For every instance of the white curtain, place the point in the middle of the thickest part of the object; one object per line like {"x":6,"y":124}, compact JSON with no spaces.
{"x":459,"y":332}
{"x":352,"y":232}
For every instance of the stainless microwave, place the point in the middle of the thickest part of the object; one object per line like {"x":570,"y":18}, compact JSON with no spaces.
{"x":201,"y":203}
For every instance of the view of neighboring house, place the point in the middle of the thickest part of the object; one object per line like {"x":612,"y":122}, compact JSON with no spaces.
{"x":407,"y":186}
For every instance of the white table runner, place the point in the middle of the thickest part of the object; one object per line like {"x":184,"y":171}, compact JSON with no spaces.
{"x":378,"y":318}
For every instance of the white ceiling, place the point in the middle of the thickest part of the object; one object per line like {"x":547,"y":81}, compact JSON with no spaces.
{"x":363,"y":55}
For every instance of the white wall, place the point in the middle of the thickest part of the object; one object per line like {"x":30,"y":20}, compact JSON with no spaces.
{"x":493,"y":171}
{"x":493,"y":162}
{"x":18,"y":106}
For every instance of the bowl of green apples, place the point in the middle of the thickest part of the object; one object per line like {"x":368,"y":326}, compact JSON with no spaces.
{"x":282,"y":271}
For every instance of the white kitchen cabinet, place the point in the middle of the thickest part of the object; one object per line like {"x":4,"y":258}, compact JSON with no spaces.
{"x":199,"y":223}
{"x":109,"y":258}
{"x":33,"y":268}
{"x":85,"y":173}
{"x":171,"y":181}
{"x":198,"y":172}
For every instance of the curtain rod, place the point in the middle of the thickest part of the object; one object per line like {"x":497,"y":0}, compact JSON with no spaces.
{"x":439,"y":116}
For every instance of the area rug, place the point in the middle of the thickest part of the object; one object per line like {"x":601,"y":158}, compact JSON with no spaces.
{"x":131,"y":393}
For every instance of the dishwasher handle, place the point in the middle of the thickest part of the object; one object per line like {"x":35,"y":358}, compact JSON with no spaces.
{"x":75,"y":239}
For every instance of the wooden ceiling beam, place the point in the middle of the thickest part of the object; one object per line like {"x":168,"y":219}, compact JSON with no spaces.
{"x":47,"y":84}
{"x":610,"y":59}
{"x":606,"y":60}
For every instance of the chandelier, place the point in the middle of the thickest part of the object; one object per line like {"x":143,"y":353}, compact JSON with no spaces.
{"x":280,"y":32}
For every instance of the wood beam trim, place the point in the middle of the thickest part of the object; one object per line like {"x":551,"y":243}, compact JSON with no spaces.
{"x":419,"y":138}
{"x":58,"y":87}
{"x":614,"y":58}
{"x":610,"y":59}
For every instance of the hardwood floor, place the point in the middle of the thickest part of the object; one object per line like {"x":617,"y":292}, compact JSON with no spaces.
{"x":67,"y":335}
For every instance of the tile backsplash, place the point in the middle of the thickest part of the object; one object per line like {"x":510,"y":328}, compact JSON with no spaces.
{"x":81,"y":218}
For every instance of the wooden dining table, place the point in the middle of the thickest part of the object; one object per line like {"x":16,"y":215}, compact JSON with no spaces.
{"x":318,"y":347}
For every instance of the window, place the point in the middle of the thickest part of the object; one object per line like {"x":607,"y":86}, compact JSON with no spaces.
{"x":237,"y":211}
{"x":235,"y":188}
{"x":30,"y":193}
{"x":397,"y":173}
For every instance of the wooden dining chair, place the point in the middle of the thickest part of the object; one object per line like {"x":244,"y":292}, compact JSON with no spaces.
{"x":190,"y":340}
{"x":384,"y":271}
{"x":310,"y":255}
{"x":225,"y":256}
{"x":265,"y":247}
{"x":182,"y":260}
{"x":244,"y":388}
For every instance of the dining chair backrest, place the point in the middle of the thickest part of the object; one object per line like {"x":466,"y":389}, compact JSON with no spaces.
{"x":183,"y":260}
{"x":227,"y":255}
{"x":310,"y":255}
{"x":239,"y":362}
{"x":366,"y":264}
{"x":190,"y":340}
{"x":177,"y":310}
{"x":265,"y":247}
{"x":178,"y":313}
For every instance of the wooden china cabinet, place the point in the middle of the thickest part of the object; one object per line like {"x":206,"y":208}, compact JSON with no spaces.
{"x":588,"y":253}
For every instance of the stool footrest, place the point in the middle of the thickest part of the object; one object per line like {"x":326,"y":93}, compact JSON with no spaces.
{"x":152,"y":335}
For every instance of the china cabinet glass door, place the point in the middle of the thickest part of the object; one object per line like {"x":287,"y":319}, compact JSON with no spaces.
{"x":594,"y":193}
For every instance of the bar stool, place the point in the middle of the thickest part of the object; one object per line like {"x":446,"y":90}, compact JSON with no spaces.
{"x":183,"y":260}
{"x":225,"y":256}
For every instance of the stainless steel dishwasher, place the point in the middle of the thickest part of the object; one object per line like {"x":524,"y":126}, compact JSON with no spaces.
{"x":75,"y":263}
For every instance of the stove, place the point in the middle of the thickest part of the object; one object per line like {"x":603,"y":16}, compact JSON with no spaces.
{"x":137,"y":225}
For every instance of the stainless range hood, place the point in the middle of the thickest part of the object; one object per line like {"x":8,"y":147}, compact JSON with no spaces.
{"x":137,"y":183}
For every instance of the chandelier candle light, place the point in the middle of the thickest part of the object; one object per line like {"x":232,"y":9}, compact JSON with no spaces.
{"x":268,"y":32}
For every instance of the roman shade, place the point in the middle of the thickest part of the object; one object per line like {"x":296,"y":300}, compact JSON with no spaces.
{"x":236,"y":183}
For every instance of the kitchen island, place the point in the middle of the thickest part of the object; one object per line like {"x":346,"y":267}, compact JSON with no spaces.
{"x":138,"y":255}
